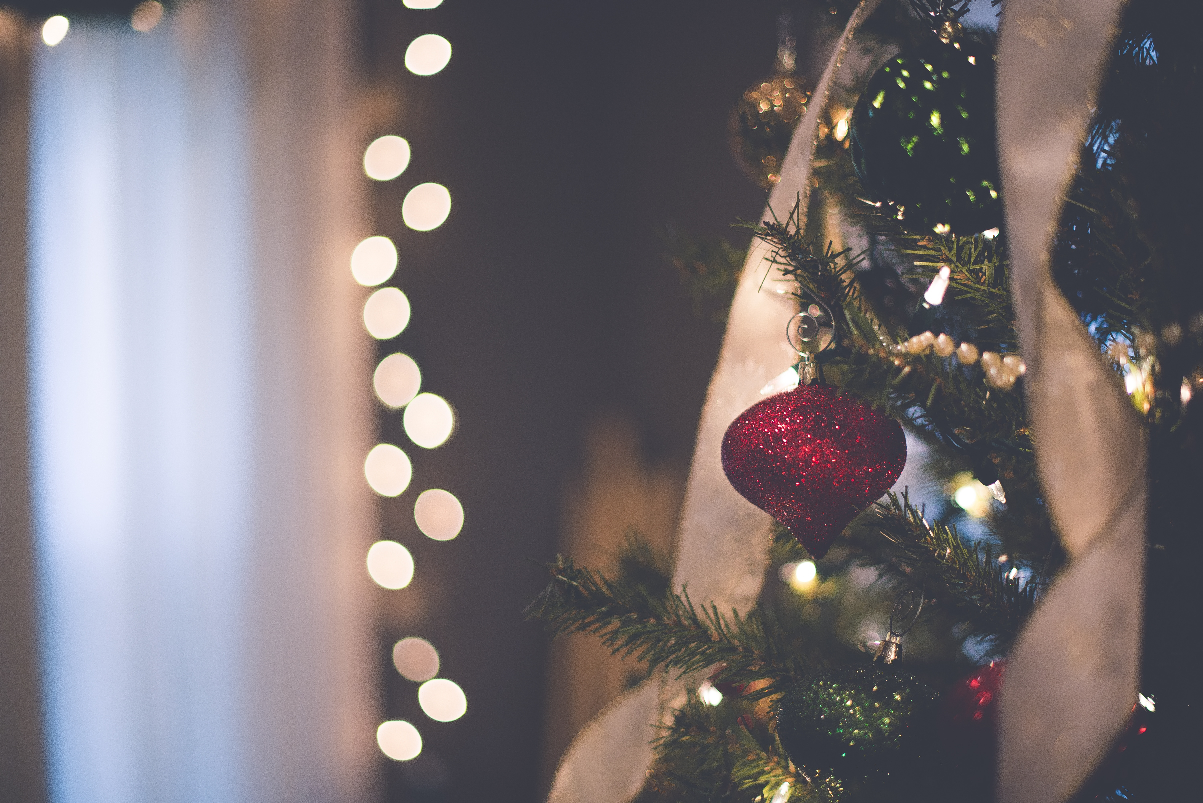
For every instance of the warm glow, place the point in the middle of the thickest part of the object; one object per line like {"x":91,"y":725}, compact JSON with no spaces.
{"x":386,"y":313}
{"x":390,"y":565}
{"x":442,"y":700}
{"x":422,"y":4}
{"x":427,"y":54}
{"x":146,"y":16}
{"x":970,"y":495}
{"x":397,"y":380}
{"x":428,"y":420}
{"x":805,"y":571}
{"x":709,"y":694}
{"x":782,"y":793}
{"x":439,"y":514}
{"x":54,"y":29}
{"x":426,"y":206}
{"x":399,"y":740}
{"x":388,"y":469}
{"x":416,"y":659}
{"x":373,"y":261}
{"x":939,"y":285}
{"x":386,"y":158}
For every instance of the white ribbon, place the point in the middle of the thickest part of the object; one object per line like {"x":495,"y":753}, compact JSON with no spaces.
{"x":1072,"y":676}
{"x":722,"y":548}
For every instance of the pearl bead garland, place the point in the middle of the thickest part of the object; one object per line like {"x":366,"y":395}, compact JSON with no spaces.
{"x":1002,"y":370}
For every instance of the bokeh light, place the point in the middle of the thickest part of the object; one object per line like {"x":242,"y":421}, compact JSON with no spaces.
{"x":442,"y":700}
{"x":428,"y":420}
{"x":399,"y":740}
{"x":438,"y":514}
{"x":397,"y":380}
{"x":374,"y":260}
{"x":428,"y":54}
{"x":386,"y":158}
{"x":805,"y":571}
{"x":54,"y":30}
{"x":970,"y":495}
{"x":426,"y":206}
{"x":709,"y":694}
{"x":416,"y":659}
{"x":388,"y":470}
{"x":390,"y":565}
{"x":146,"y":16}
{"x":421,"y":4}
{"x":386,"y":313}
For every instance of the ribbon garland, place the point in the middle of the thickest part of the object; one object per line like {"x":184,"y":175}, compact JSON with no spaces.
{"x":1072,"y":677}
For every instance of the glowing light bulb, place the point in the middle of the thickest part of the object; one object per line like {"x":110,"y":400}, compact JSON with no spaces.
{"x":390,"y":565}
{"x":422,"y":4}
{"x":782,"y":793}
{"x":935,"y":291}
{"x":373,"y":261}
{"x":805,"y":571}
{"x":428,"y":420}
{"x":55,"y":29}
{"x":426,"y":206}
{"x":386,"y":313}
{"x":709,"y":694}
{"x":386,"y":158}
{"x":438,"y":514}
{"x":387,"y":469}
{"x":397,"y":380}
{"x":146,"y":16}
{"x":399,"y":740}
{"x":442,"y":700}
{"x":427,"y":55}
{"x":416,"y":659}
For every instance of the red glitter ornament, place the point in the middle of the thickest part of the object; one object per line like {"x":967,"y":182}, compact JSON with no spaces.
{"x":813,"y":460}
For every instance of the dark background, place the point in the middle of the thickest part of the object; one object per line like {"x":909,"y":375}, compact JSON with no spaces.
{"x":568,"y":133}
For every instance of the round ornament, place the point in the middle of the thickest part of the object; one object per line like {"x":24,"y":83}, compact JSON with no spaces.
{"x":813,"y":460}
{"x":923,"y":138}
{"x":854,"y":720}
{"x":762,"y":124}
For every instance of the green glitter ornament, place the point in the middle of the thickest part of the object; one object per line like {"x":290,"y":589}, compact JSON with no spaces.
{"x":923,"y":138}
{"x":855,"y":721}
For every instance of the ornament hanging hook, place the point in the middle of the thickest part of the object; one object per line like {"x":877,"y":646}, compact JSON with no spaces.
{"x":811,"y":332}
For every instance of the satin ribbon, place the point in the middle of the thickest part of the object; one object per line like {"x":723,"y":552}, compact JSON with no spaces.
{"x":723,"y":542}
{"x":1072,"y":676}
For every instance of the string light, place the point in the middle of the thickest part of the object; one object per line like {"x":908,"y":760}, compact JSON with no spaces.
{"x":54,"y":30}
{"x":438,"y":514}
{"x":709,"y":694}
{"x":428,"y":54}
{"x":426,"y":206}
{"x":386,"y":158}
{"x":442,"y":700}
{"x":422,"y":4}
{"x":146,"y":16}
{"x":428,"y":420}
{"x":782,"y":793}
{"x":935,"y":291}
{"x":397,"y":380}
{"x":399,"y":740}
{"x":1002,"y":370}
{"x":386,"y":313}
{"x":416,"y":659}
{"x":373,"y":261}
{"x":390,"y":565}
{"x":387,"y":470}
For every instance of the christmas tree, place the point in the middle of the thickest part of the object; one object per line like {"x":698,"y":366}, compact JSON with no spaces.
{"x":920,"y":305}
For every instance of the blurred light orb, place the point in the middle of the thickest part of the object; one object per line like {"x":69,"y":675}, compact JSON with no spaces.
{"x":428,"y":420}
{"x":439,"y":515}
{"x":422,"y":4}
{"x":397,"y":380}
{"x":386,"y":313}
{"x":416,"y":659}
{"x":146,"y":16}
{"x":54,"y":30}
{"x":428,"y":54}
{"x":970,"y":495}
{"x":390,"y":565}
{"x":426,"y":206}
{"x":805,"y":571}
{"x":442,"y":700}
{"x":388,"y":470}
{"x":709,"y":694}
{"x":386,"y":158}
{"x":399,"y":740}
{"x":374,"y":260}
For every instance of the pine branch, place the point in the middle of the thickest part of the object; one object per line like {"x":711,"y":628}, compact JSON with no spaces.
{"x":966,"y":579}
{"x":664,"y":631}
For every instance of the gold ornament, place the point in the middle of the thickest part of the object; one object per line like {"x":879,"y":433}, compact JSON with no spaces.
{"x":762,"y":124}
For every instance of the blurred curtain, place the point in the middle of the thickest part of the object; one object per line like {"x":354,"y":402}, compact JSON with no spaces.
{"x":198,"y":381}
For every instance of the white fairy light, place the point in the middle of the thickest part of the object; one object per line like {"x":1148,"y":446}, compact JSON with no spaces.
{"x":935,"y":291}
{"x":709,"y":694}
